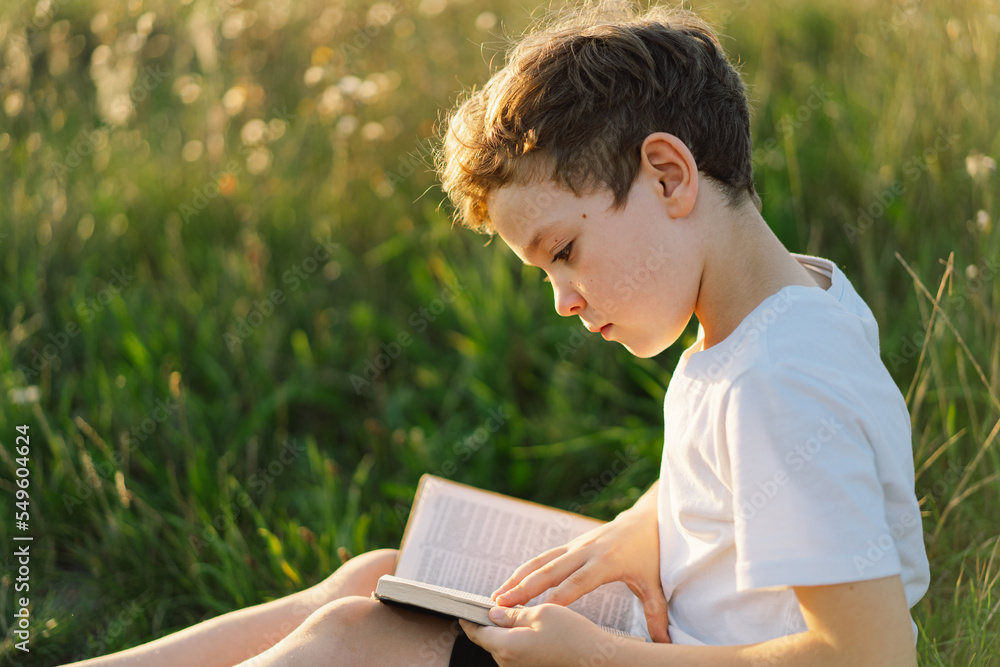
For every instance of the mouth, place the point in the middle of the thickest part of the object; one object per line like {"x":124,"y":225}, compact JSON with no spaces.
{"x":603,"y":330}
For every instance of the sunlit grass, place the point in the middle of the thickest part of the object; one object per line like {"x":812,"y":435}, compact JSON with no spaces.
{"x":173,"y":176}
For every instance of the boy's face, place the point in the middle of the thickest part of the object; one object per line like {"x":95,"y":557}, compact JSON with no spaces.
{"x":633,"y":275}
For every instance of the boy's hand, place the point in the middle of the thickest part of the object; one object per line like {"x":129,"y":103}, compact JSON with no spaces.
{"x":546,"y":635}
{"x":626,"y":549}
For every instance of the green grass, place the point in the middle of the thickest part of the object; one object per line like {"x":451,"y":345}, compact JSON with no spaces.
{"x":140,"y":535}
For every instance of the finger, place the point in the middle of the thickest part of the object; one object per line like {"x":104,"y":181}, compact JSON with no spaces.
{"x":551,"y":574}
{"x":506,"y":617}
{"x":654,"y":606}
{"x":488,"y":637}
{"x":577,"y":584}
{"x":469,"y":628}
{"x":527,"y":568}
{"x":472,"y":631}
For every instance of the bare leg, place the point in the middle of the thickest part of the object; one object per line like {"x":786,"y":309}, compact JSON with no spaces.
{"x":359,"y":631}
{"x":228,"y":639}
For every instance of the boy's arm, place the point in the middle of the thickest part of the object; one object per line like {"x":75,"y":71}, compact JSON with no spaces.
{"x":646,"y":505}
{"x":859,"y":624}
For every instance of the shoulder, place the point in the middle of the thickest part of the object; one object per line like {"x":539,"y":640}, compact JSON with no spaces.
{"x":814,"y":368}
{"x":797,"y":330}
{"x":799,"y":346}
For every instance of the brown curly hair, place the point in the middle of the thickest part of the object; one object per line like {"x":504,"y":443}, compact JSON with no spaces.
{"x":578,"y":97}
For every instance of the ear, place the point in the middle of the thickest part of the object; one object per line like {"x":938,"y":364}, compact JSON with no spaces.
{"x":666,"y":160}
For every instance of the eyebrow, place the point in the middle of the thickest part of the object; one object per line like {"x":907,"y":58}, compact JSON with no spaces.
{"x":536,"y":240}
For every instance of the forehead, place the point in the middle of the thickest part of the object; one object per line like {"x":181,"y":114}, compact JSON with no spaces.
{"x":526,"y":194}
{"x":518,"y":206}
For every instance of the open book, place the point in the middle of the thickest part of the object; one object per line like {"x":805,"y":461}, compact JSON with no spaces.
{"x":461,"y":543}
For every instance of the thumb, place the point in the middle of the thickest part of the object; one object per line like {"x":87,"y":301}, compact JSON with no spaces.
{"x":654,"y":605}
{"x":506,"y":617}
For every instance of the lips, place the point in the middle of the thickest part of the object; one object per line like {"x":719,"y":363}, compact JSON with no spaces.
{"x":603,"y":329}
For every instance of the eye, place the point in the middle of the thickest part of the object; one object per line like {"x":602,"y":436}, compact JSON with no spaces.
{"x":564,"y":254}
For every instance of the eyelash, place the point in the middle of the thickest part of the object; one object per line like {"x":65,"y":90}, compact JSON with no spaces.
{"x":564,"y":253}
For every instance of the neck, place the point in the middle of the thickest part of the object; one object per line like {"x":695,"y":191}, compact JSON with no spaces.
{"x":747,"y":264}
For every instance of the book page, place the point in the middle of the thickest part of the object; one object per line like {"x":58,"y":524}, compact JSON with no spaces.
{"x":469,"y":539}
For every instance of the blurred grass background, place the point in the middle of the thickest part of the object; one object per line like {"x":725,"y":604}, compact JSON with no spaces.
{"x":216,"y":216}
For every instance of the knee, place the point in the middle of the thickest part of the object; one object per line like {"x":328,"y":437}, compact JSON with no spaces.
{"x":343,"y":619}
{"x":346,"y":629}
{"x":357,"y":576}
{"x":366,"y":568}
{"x":383,"y":560}
{"x":359,"y":630}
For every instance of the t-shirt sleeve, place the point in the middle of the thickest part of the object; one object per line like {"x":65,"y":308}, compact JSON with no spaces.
{"x":809,"y":508}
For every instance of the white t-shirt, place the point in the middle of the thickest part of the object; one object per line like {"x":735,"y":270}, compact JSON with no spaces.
{"x":787,"y":461}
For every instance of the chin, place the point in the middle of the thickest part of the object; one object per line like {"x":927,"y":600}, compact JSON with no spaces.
{"x":648,"y":348}
{"x":644,"y":351}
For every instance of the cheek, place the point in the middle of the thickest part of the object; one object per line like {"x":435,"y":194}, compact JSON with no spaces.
{"x":619,"y":294}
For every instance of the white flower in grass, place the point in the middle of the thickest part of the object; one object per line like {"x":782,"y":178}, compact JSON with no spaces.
{"x":983,"y":221}
{"x":979,"y":166}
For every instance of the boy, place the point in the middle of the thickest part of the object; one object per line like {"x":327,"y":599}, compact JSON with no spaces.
{"x":614,"y":153}
{"x":784,"y":517}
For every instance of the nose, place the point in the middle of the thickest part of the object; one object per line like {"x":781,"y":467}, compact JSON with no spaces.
{"x":569,"y":301}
